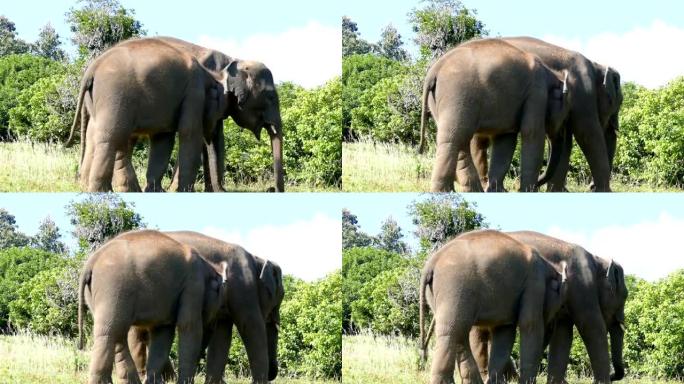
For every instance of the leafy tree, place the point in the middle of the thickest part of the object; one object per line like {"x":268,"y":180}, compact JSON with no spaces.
{"x":9,"y":43}
{"x":9,"y":231}
{"x":390,"y":44}
{"x":441,"y":217}
{"x":352,"y":237}
{"x":352,"y":43}
{"x":99,"y":24}
{"x":443,"y":24}
{"x":100,"y":217}
{"x":389,"y":238}
{"x":47,"y":237}
{"x":48,"y":44}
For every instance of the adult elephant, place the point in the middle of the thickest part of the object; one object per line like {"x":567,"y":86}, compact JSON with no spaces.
{"x":487,"y":278}
{"x":252,"y":304}
{"x":490,"y":88}
{"x":595,"y":305}
{"x":593,"y":118}
{"x":147,"y":279}
{"x":145,"y":87}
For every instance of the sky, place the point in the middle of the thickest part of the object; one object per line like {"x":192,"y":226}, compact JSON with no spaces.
{"x":299,"y":231}
{"x":641,"y":231}
{"x":642,"y":40}
{"x":299,"y":40}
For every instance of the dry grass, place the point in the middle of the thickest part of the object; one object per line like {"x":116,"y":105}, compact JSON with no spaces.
{"x":382,"y":167}
{"x":369,"y":359}
{"x":30,"y":359}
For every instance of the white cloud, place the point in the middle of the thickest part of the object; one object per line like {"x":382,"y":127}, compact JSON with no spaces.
{"x":650,"y":249}
{"x":308,"y":55}
{"x":308,"y":249}
{"x":650,"y":56}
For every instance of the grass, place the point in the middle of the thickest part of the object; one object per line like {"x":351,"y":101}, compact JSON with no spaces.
{"x":41,"y":167}
{"x":370,"y":359}
{"x":30,"y":359}
{"x":383,"y":167}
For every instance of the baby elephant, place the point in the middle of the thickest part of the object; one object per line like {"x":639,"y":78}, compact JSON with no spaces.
{"x":147,"y":279}
{"x":487,"y":278}
{"x":489,"y":89}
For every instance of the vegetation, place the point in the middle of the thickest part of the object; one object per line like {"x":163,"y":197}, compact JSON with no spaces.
{"x":38,"y":300}
{"x":39,"y":88}
{"x":382,"y":106}
{"x":380,"y":307}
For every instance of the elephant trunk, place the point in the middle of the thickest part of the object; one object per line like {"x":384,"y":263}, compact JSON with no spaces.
{"x":272,"y":338}
{"x":277,"y":147}
{"x":617,"y":335}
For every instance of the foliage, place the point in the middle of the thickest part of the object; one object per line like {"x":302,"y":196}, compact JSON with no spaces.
{"x":352,"y":237}
{"x":47,"y":237}
{"x":443,"y":24}
{"x":9,"y":44}
{"x":48,"y":44}
{"x":18,"y":72}
{"x":99,"y":24}
{"x":390,"y":44}
{"x":9,"y":231}
{"x":352,"y":44}
{"x":390,"y":237}
{"x":441,"y":217}
{"x":99,"y":217}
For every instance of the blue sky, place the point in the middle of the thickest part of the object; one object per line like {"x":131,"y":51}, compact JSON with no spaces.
{"x":231,"y":26}
{"x":641,"y":231}
{"x":300,"y":231}
{"x":635,"y":37}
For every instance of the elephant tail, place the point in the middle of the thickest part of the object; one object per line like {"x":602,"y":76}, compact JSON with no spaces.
{"x":557,"y":146}
{"x":425,"y":280}
{"x":80,"y":116}
{"x":85,"y":280}
{"x":428,"y":87}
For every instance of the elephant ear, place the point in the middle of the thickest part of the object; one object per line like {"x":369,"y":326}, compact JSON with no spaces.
{"x":237,"y":81}
{"x":267,"y":277}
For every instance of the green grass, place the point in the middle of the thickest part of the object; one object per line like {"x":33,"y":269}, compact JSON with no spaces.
{"x":369,"y":359}
{"x":30,"y":359}
{"x":382,"y":167}
{"x":40,"y":167}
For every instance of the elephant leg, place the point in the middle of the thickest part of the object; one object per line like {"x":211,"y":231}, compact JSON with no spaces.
{"x":592,"y":330}
{"x":217,"y":352}
{"x":592,"y":142}
{"x":103,"y":353}
{"x":190,"y":142}
{"x":138,"y":341}
{"x":531,"y":324}
{"x":125,"y":366}
{"x":559,"y":351}
{"x":533,"y":136}
{"x":479,"y":344}
{"x":503,"y":338}
{"x":478,"y":151}
{"x":105,"y":147}
{"x":502,"y":155}
{"x":161,"y":340}
{"x":161,"y":146}
{"x":125,"y":179}
{"x":453,"y":148}
{"x":214,"y":156}
{"x":87,"y":160}
{"x":253,"y":334}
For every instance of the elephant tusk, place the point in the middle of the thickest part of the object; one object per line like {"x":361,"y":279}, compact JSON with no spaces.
{"x":605,"y":76}
{"x":273,"y":129}
{"x":263,"y":268}
{"x":565,"y":82}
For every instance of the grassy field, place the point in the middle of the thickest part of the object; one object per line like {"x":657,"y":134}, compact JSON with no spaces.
{"x":38,"y":167}
{"x":31,"y":359}
{"x":381,"y":167}
{"x":372,"y":359}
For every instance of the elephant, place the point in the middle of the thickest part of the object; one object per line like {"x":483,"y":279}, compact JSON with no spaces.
{"x":593,"y":118}
{"x":252,"y":303}
{"x":595,"y":305}
{"x":146,"y":279}
{"x":253,"y":104}
{"x":489,"y":88}
{"x":487,"y":278}
{"x":146,"y":87}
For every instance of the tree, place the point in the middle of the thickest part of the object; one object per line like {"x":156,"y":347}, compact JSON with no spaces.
{"x":9,"y":44}
{"x":99,"y":24}
{"x":9,"y":233}
{"x":100,"y":217}
{"x":390,"y":44}
{"x":443,"y":24}
{"x":47,"y":237}
{"x":389,"y":238}
{"x":352,"y":237}
{"x":48,"y":44}
{"x":352,"y":43}
{"x":441,"y":217}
